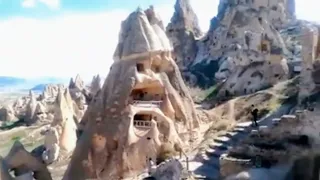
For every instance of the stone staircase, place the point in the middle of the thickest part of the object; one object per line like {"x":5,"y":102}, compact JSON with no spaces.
{"x":207,"y":164}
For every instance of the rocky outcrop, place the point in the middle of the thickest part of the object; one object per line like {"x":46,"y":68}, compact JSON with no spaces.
{"x":95,"y":85}
{"x":7,"y":114}
{"x":310,"y":65}
{"x":143,"y":105}
{"x":77,"y":83}
{"x":22,"y":162}
{"x":61,"y":137}
{"x":30,"y":110}
{"x":169,"y":170}
{"x":183,"y":30}
{"x":51,"y":91}
{"x":243,"y":32}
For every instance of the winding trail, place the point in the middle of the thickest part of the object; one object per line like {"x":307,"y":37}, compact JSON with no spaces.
{"x":208,"y":166}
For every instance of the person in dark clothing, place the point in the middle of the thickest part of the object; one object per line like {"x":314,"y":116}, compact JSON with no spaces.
{"x":254,"y":113}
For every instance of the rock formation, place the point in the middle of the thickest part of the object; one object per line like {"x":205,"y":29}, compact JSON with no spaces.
{"x":31,"y":107}
{"x":77,"y":83}
{"x":242,"y":33}
{"x":51,"y":91}
{"x":23,"y":164}
{"x":183,"y":30}
{"x":171,"y":169}
{"x":61,"y":138}
{"x":95,"y":85}
{"x":7,"y":114}
{"x":142,"y":105}
{"x":310,"y":65}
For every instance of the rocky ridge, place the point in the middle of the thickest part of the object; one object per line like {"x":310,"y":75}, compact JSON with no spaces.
{"x":242,"y":33}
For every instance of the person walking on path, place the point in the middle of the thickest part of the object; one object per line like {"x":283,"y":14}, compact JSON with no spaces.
{"x":254,"y":113}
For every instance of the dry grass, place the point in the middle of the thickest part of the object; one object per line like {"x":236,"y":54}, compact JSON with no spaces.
{"x":166,"y":151}
{"x":239,"y":109}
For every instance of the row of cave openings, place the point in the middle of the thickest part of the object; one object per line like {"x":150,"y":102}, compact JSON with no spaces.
{"x":151,"y":95}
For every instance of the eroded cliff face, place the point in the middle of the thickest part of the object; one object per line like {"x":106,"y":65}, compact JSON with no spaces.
{"x":243,"y":32}
{"x":310,"y":65}
{"x":183,"y":31}
{"x":142,"y":105}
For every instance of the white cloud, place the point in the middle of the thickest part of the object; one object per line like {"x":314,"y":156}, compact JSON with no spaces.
{"x":59,"y":47}
{"x":69,"y":44}
{"x":28,"y":3}
{"x":52,"y":4}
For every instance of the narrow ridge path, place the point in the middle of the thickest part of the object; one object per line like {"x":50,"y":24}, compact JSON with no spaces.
{"x":208,"y":167}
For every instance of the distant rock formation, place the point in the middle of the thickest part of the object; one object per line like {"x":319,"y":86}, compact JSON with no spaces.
{"x":310,"y":66}
{"x":95,"y":85}
{"x":7,"y":114}
{"x":61,"y":138}
{"x":143,"y":104}
{"x":183,"y":30}
{"x":76,"y":83}
{"x":242,"y":33}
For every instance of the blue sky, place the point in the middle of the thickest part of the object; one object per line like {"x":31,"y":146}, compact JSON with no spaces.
{"x":65,"y":37}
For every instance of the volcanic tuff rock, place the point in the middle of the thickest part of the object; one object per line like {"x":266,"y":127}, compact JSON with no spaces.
{"x":143,"y":105}
{"x":95,"y":85}
{"x":7,"y":114}
{"x":22,"y":162}
{"x":310,"y":65}
{"x":243,"y":32}
{"x":183,"y":30}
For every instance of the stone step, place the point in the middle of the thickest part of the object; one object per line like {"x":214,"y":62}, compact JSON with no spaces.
{"x":214,"y":153}
{"x":207,"y":172}
{"x":288,"y":118}
{"x":222,"y":139}
{"x":212,"y":161}
{"x":239,"y":130}
{"x":276,"y":121}
{"x":264,"y":129}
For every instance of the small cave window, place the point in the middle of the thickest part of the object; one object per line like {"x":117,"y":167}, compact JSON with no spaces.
{"x":276,"y":75}
{"x":249,"y":82}
{"x":260,"y":20}
{"x":227,"y":94}
{"x":274,"y":8}
{"x":142,"y":120}
{"x":170,"y":30}
{"x":157,"y":69}
{"x":264,"y":47}
{"x":245,"y":91}
{"x":140,"y":67}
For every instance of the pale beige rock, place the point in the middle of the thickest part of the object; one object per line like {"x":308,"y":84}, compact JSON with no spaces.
{"x":77,"y":83}
{"x":51,"y":143}
{"x":61,"y":138}
{"x":125,"y":122}
{"x":146,"y":43}
{"x":242,"y":33}
{"x":7,"y":114}
{"x":310,"y":60}
{"x":30,"y":110}
{"x":51,"y":90}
